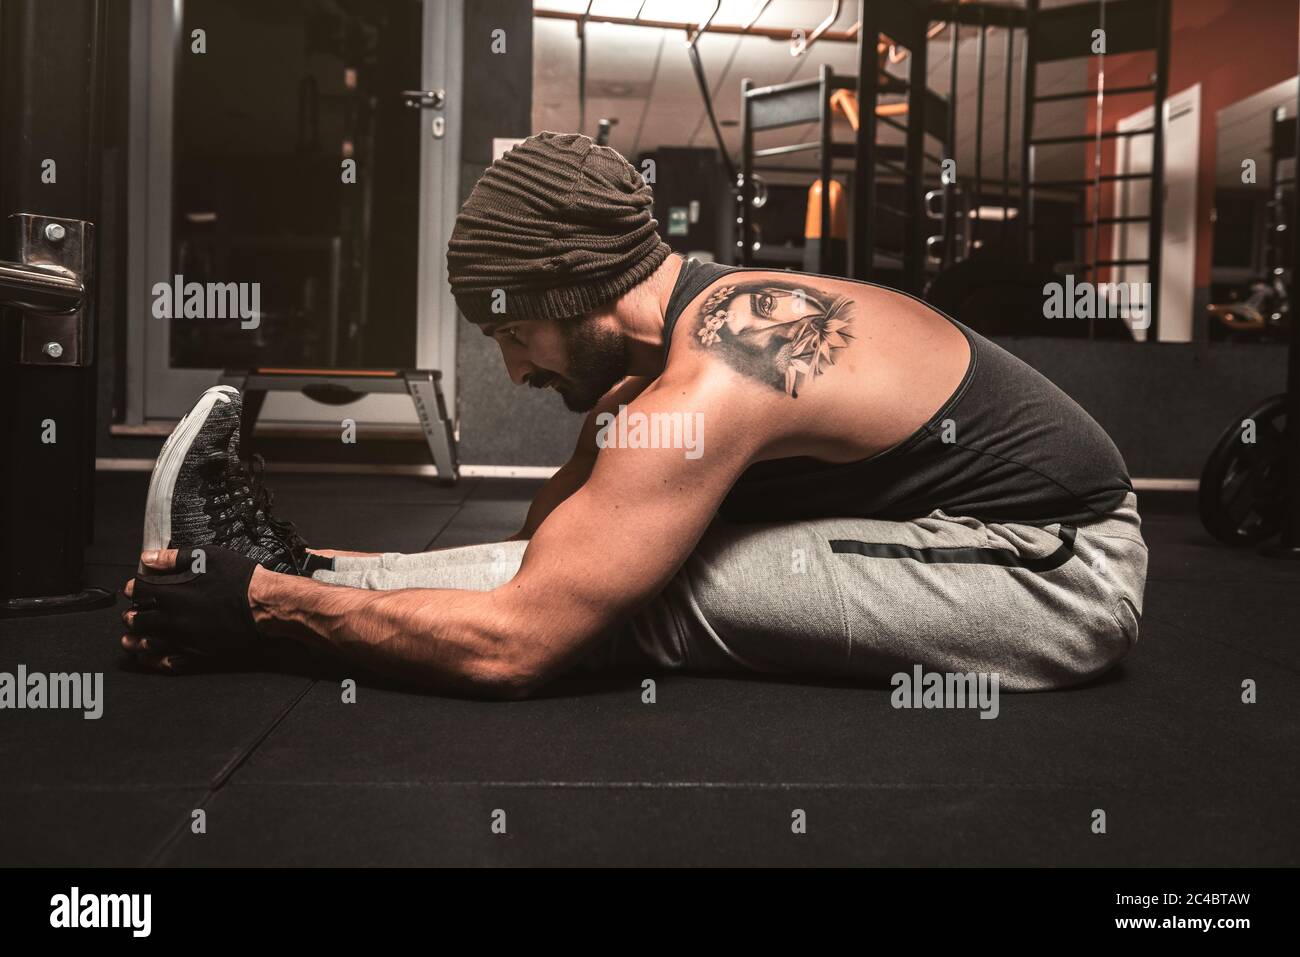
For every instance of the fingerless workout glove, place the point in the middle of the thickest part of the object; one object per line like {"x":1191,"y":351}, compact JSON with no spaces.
{"x":202,"y":607}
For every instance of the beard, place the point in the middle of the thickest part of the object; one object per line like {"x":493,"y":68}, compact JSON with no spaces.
{"x":597,"y":361}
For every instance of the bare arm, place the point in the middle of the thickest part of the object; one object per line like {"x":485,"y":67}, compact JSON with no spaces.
{"x":570,"y":477}
{"x":567,"y":480}
{"x":605,"y":550}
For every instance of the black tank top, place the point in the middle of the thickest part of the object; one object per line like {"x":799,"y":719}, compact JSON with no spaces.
{"x":1020,"y":450}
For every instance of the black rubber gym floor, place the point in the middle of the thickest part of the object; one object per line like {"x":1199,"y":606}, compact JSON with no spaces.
{"x":286,"y":773}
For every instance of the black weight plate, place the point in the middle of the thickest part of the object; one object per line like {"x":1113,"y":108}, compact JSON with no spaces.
{"x":1242,"y":496}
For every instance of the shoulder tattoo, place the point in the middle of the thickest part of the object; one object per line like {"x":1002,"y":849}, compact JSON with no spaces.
{"x":775,"y":331}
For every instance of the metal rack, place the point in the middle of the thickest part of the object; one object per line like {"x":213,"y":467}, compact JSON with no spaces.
{"x":808,"y":101}
{"x":1053,"y":34}
{"x":967,"y":203}
{"x":1063,"y":33}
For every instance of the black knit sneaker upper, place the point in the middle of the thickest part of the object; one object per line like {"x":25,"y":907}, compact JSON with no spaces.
{"x":271,"y":542}
{"x":216,"y":502}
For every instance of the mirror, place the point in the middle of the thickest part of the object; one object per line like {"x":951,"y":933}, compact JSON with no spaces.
{"x":269,"y":111}
{"x":1254,"y":188}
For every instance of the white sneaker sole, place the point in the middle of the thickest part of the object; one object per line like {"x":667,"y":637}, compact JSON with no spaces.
{"x":162,"y":484}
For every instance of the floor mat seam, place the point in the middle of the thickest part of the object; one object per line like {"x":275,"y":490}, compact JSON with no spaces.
{"x":226,"y":773}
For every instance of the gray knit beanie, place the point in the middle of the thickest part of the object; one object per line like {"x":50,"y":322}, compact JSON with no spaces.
{"x":560,"y":225}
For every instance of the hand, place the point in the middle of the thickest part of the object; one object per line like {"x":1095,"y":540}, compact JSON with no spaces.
{"x":190,"y":606}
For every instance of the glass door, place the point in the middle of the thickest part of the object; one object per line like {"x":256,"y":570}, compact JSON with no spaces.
{"x":297,"y":181}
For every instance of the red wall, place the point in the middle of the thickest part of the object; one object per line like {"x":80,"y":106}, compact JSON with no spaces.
{"x":1233,"y":48}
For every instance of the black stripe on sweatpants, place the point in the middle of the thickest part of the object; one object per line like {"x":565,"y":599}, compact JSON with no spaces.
{"x":961,"y":555}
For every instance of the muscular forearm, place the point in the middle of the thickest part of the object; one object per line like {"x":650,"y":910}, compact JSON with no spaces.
{"x":449,"y":640}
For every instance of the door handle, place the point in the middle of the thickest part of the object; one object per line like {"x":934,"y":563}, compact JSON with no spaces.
{"x":49,"y":286}
{"x":45,"y":289}
{"x":424,"y":99}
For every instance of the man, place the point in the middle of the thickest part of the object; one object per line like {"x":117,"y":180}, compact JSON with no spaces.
{"x":779,"y":472}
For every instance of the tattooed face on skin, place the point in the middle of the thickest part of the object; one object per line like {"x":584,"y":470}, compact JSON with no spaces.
{"x":781,"y":333}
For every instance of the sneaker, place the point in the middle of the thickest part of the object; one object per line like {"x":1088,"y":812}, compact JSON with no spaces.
{"x":200,"y":493}
{"x":274,"y":543}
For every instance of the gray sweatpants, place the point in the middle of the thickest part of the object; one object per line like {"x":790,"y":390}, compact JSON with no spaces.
{"x":1044,"y":607}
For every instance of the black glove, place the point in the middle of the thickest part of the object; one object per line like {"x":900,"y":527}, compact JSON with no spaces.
{"x":200,"y":608}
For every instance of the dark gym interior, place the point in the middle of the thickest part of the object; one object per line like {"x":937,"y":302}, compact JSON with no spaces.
{"x":204,"y":138}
